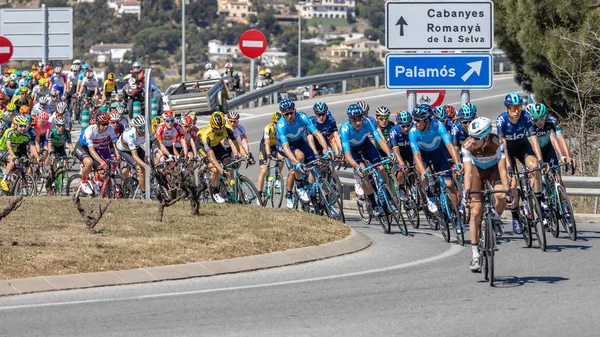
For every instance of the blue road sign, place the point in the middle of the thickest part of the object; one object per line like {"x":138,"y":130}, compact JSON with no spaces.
{"x":439,"y":71}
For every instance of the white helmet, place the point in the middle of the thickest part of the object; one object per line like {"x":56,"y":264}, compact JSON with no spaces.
{"x":13,"y":77}
{"x":480,"y":127}
{"x":268,"y":71}
{"x":138,"y":121}
{"x":61,"y":107}
{"x":43,"y":100}
{"x":77,"y":62}
{"x":58,"y":70}
{"x":208,"y":66}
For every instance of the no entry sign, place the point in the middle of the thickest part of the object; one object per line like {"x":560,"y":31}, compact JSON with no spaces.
{"x":6,"y":49}
{"x":252,"y":43}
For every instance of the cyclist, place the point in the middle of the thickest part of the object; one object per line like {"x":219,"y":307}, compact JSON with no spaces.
{"x":365,"y":108}
{"x":210,"y":137}
{"x":401,"y":144}
{"x":357,"y":150}
{"x":43,"y":128}
{"x":167,"y":134}
{"x":115,"y":122}
{"x":61,"y":112}
{"x":426,"y":139}
{"x":290,"y":130}
{"x":484,"y":160}
{"x":58,"y":137}
{"x":441,"y":114}
{"x":89,"y":84}
{"x":514,"y":127}
{"x":384,"y":126}
{"x":40,"y":90}
{"x":92,"y":149}
{"x":109,"y":87}
{"x":13,"y":145}
{"x":268,"y":148}
{"x":466,"y":114}
{"x":22,"y":98}
{"x":231,"y":77}
{"x":11,"y":87}
{"x":326,"y":124}
{"x":451,"y":112}
{"x":210,"y":73}
{"x":58,"y":81}
{"x":233,"y":118}
{"x":190,"y":135}
{"x":130,"y":147}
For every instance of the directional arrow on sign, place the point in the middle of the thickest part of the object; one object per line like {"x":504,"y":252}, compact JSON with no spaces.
{"x":475,"y":68}
{"x":401,"y":22}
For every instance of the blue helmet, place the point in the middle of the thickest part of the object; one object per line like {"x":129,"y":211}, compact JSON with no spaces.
{"x":404,"y":118}
{"x":467,"y":112}
{"x":286,"y":105}
{"x":320,"y":108}
{"x":422,"y":112}
{"x":440,"y":112}
{"x":354,"y":111}
{"x":513,"y":99}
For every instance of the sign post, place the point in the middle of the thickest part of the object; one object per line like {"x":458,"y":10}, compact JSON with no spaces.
{"x":252,"y":44}
{"x":148,"y":114}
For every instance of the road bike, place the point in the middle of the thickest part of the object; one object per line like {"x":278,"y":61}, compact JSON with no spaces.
{"x":323,"y":197}
{"x":237,"y":189}
{"x":530,"y":212}
{"x":274,"y":184}
{"x":559,"y":204}
{"x":447,"y":215}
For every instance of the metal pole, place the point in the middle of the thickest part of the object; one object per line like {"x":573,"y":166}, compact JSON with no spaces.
{"x":251,"y":74}
{"x":148,"y":146}
{"x":412,"y":99}
{"x":596,"y":201}
{"x":45,"y":34}
{"x":465,"y":96}
{"x":182,"y":40}
{"x":299,"y":46}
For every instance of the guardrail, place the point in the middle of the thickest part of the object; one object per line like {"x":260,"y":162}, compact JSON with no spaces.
{"x":576,"y":186}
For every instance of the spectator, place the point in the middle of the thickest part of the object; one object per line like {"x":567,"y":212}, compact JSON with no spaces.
{"x":210,"y":73}
{"x":261,"y":79}
{"x":231,"y":77}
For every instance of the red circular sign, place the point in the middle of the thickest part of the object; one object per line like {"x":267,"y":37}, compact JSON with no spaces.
{"x":431,"y":97}
{"x":252,"y":43}
{"x":6,"y":49}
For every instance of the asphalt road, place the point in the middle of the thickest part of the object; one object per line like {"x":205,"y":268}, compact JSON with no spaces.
{"x":415,"y":285}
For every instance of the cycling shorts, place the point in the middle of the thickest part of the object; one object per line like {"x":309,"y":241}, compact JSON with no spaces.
{"x":81,"y":152}
{"x":129,"y":157}
{"x":303,"y":146}
{"x":520,"y":153}
{"x":549,"y":155}
{"x":438,"y":158}
{"x":365,"y":152}
{"x":262,"y":153}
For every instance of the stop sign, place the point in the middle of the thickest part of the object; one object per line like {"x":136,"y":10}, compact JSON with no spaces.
{"x":431,"y":97}
{"x":252,"y":43}
{"x":6,"y":49}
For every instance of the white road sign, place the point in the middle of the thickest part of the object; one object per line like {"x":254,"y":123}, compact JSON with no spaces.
{"x":439,"y":25}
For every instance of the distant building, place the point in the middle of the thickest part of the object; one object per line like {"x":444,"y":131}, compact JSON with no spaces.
{"x":358,"y":48}
{"x":334,"y":9}
{"x":218,"y":51}
{"x":126,"y":7}
{"x":113,"y":52}
{"x":273,"y":57}
{"x":237,"y":11}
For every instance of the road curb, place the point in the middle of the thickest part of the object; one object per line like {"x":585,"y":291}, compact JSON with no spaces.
{"x":355,"y":242}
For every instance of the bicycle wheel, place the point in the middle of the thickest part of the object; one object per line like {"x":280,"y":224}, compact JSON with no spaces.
{"x":553,"y":226}
{"x":395,"y":214}
{"x":73,"y":186}
{"x":455,"y":219}
{"x":24,"y":185}
{"x":334,"y":181}
{"x":525,"y":216}
{"x":330,"y":201}
{"x":412,"y":205}
{"x":567,"y":216}
{"x":444,"y":224}
{"x":130,"y":185}
{"x":364,"y":210}
{"x":538,"y":224}
{"x":115,"y":187}
{"x":490,"y":243}
{"x":247,"y":192}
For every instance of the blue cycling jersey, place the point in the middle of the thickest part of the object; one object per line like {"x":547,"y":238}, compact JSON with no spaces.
{"x":399,"y":139}
{"x":81,"y":76}
{"x":292,"y":132}
{"x":543,"y":133}
{"x":458,"y":134}
{"x":327,"y":128}
{"x":448,"y":124}
{"x":352,"y":137}
{"x":429,"y":140}
{"x":515,"y":134}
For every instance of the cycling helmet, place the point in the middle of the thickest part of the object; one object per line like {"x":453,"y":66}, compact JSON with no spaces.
{"x":43,"y":100}
{"x":275,"y":116}
{"x":36,"y":110}
{"x":42,"y":82}
{"x":103,"y":109}
{"x":75,"y":67}
{"x":115,"y":117}
{"x":48,"y":68}
{"x":187,"y":121}
{"x":120,"y":109}
{"x":77,"y":61}
{"x":450,"y":111}
{"x":156,"y":121}
{"x":11,"y":107}
{"x":178,"y":120}
{"x":25,"y":73}
{"x":480,"y":127}
{"x":286,"y":105}
{"x":513,"y":99}
{"x":537,"y":111}
{"x":85,"y":67}
{"x":440,"y":112}
{"x":217,"y":120}
{"x":57,"y":70}
{"x":60,"y":121}
{"x":422,"y":112}
{"x":168,"y":114}
{"x":20,"y":120}
{"x":102,"y":118}
{"x":320,"y":108}
{"x":28,"y":118}
{"x":54,"y":93}
{"x":208,"y":66}
{"x":23,"y":89}
{"x":467,"y":112}
{"x":19,"y":73}
{"x":268,"y":70}
{"x":364,"y":106}
{"x":233,"y":115}
{"x":404,"y":118}
{"x":354,"y":111}
{"x":41,"y":64}
{"x":13,"y":77}
{"x":111,"y":76}
{"x":30,"y":77}
{"x":89,"y":74}
{"x":229,"y":65}
{"x":61,"y":107}
{"x":382,"y":111}
{"x":136,"y":66}
{"x":43,"y":116}
{"x":139,"y":121}
{"x":24,"y":110}
{"x":262,"y":72}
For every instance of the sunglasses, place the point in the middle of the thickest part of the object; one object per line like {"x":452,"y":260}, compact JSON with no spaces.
{"x":477,"y":138}
{"x":515,"y":108}
{"x":357,"y":119}
{"x":60,"y":125}
{"x":103,"y":124}
{"x":406,"y":126}
{"x":465,"y":122}
{"x":382,"y":118}
{"x":20,"y":126}
{"x":289,"y":113}
{"x":170,"y":120}
{"x":543,"y":119}
{"x":320,"y":115}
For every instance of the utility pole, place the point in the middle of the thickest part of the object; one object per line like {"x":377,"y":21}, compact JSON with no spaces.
{"x":182,"y":40}
{"x":299,"y":45}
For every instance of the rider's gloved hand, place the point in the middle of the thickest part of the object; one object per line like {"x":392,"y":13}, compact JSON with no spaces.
{"x":510,"y":171}
{"x":300,"y":167}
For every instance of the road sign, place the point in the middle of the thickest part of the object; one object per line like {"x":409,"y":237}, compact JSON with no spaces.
{"x":6,"y":49}
{"x":252,"y":43}
{"x":39,"y":33}
{"x":438,"y":25}
{"x":439,"y":71}
{"x":431,"y":97}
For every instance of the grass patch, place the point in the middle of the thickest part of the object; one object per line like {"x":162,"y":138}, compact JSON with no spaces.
{"x":46,"y":236}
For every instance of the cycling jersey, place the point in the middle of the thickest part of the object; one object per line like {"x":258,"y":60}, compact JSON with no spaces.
{"x":351,"y":137}
{"x":9,"y":90}
{"x":66,"y":116}
{"x":16,"y":140}
{"x":448,"y":124}
{"x":169,"y":136}
{"x":400,"y":140}
{"x":270,"y":134}
{"x":327,"y":128}
{"x":386,"y":133}
{"x":485,"y":156}
{"x":59,"y":140}
{"x":58,"y":80}
{"x":90,"y":84}
{"x":429,"y":140}
{"x":543,"y":133}
{"x":288,"y":133}
{"x":93,"y":137}
{"x":239,"y":133}
{"x":190,"y":136}
{"x":458,"y":134}
{"x":130,"y":140}
{"x":109,"y":86}
{"x":40,"y":91}
{"x":515,"y":134}
{"x":210,"y":139}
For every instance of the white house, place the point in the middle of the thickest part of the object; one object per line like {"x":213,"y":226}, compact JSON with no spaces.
{"x":111,"y":51}
{"x":273,"y":57}
{"x":218,"y":51}
{"x":126,"y":7}
{"x":335,"y":9}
